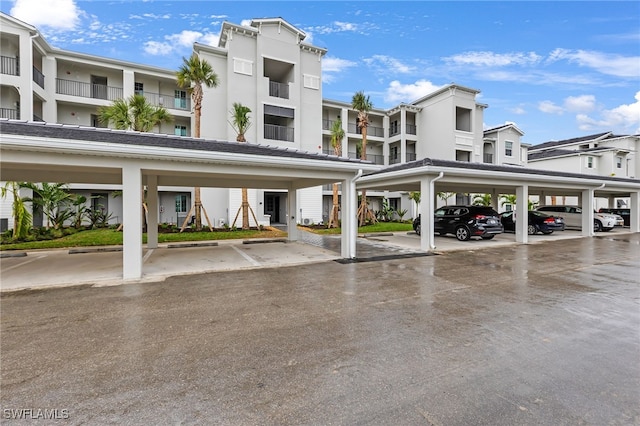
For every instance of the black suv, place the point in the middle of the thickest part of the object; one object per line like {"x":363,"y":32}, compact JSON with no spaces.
{"x":465,"y":222}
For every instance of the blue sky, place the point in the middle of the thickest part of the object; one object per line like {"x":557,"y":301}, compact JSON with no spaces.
{"x":557,"y":70}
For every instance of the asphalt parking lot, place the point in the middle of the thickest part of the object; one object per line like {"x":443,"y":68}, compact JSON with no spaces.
{"x":537,"y":334}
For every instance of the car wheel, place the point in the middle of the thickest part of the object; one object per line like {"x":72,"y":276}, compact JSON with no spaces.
{"x":418,"y":229}
{"x":597,"y":226}
{"x":488,"y":237}
{"x":531,"y":229}
{"x":607,"y":229}
{"x":462,"y":233}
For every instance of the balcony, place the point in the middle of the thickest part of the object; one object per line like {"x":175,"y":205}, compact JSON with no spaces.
{"x":411,"y":156}
{"x":9,"y":113}
{"x":9,"y":66}
{"x":371,"y":130}
{"x":279,"y":133}
{"x":278,"y":90}
{"x":167,"y":101}
{"x":327,"y":124}
{"x":374,"y":158}
{"x":38,"y":77}
{"x":487,"y":158}
{"x":88,"y":90}
{"x":410,"y":129}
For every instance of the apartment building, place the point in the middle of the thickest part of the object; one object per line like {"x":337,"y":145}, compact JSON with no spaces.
{"x":268,"y":67}
{"x":602,"y":154}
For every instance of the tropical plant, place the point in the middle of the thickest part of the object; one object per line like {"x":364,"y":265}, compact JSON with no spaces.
{"x":401,"y":213}
{"x":192,"y":75}
{"x":134,"y":113}
{"x":482,"y":200}
{"x":444,"y":196}
{"x":361,"y":103}
{"x":337,"y":135}
{"x":415,"y":196}
{"x":53,"y":198}
{"x":241,"y":122}
{"x":508,"y":199}
{"x":386,"y":212}
{"x":20,"y":213}
{"x":80,"y":211}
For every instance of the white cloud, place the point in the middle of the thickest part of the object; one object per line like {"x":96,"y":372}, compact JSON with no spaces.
{"x":332,"y":65}
{"x":389,"y":64}
{"x":584,"y":103}
{"x":55,"y":14}
{"x":550,"y":108}
{"x":616,"y":65}
{"x":624,"y":119}
{"x":517,"y":111}
{"x":398,"y":92}
{"x":491,"y":59}
{"x":175,"y":42}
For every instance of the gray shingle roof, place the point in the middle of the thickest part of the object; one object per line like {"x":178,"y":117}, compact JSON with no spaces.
{"x":557,"y":152}
{"x":551,"y":144}
{"x":62,"y":131}
{"x":496,"y":168}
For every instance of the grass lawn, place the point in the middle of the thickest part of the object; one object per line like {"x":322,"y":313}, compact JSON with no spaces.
{"x":108,"y":237}
{"x":368,"y":229}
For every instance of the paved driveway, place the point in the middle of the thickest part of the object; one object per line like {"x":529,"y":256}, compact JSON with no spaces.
{"x":527,"y":335}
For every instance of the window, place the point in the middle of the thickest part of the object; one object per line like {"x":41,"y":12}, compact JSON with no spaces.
{"x":463,"y":119}
{"x":589,"y":162}
{"x":393,"y":130}
{"x":181,"y":203}
{"x":394,"y":203}
{"x":508,"y":149}
{"x":242,"y":66}
{"x":394,"y":153}
{"x":180,"y":99}
{"x":311,"y":81}
{"x":180,"y":130}
{"x":618,"y":162}
{"x":138,"y":88}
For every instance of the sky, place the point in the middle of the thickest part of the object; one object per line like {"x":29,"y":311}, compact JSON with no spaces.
{"x":557,"y":70}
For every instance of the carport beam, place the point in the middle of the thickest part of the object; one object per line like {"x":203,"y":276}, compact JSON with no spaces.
{"x":132,"y":222}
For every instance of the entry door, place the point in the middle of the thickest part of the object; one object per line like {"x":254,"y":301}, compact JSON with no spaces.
{"x":272,"y":207}
{"x":98,"y":87}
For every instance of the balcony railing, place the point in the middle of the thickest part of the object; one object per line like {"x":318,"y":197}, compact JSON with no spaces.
{"x":410,"y":129}
{"x":327,"y":124}
{"x":487,"y":158}
{"x":374,"y":158}
{"x":88,"y":90}
{"x":37,"y":118}
{"x":371,"y":130}
{"x":278,"y":90}
{"x":38,"y":77}
{"x":9,"y":66}
{"x":13,"y":114}
{"x":279,"y":133}
{"x":167,"y":101}
{"x":411,"y":156}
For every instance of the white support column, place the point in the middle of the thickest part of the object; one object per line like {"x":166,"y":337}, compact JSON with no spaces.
{"x":132,"y":222}
{"x":403,"y":135}
{"x":522,"y":214}
{"x":426,"y":209}
{"x":344,"y":118}
{"x":587,"y":204}
{"x":292,"y":210}
{"x":495,"y":201}
{"x":635,"y":211}
{"x":349,"y":208}
{"x":152,"y":214}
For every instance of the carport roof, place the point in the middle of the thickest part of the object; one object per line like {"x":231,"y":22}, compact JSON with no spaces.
{"x":463,"y":165}
{"x":154,"y":140}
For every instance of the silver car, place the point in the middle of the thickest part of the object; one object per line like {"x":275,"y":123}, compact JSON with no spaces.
{"x":573,"y":217}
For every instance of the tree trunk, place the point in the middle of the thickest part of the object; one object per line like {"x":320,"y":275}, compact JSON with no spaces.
{"x":198,"y":208}
{"x":334,"y":217}
{"x":245,"y":209}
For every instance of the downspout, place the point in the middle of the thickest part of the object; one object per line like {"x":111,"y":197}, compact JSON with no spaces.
{"x":432,"y":238}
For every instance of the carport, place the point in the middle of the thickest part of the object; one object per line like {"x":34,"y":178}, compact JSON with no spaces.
{"x":39,"y":152}
{"x":432,"y":176}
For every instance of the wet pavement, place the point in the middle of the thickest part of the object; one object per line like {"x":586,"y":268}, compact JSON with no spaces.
{"x":539,"y":334}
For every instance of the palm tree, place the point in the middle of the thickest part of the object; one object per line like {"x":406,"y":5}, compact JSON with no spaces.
{"x":337,"y":135}
{"x":240,"y":122}
{"x":482,"y":200}
{"x":508,"y":199}
{"x":363,"y":105}
{"x":135,"y":113}
{"x":21,"y":215}
{"x":192,"y":75}
{"x":444,"y":196}
{"x":52,"y":198}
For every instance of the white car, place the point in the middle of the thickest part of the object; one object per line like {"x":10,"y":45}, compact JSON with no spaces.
{"x":573,"y":217}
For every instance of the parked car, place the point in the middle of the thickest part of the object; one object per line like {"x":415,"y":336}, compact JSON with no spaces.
{"x":465,"y":222}
{"x":624,"y":213}
{"x":538,"y":222}
{"x":573,"y":217}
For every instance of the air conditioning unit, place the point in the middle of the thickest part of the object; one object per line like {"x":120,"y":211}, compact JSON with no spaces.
{"x":307,"y":221}
{"x":221,"y":222}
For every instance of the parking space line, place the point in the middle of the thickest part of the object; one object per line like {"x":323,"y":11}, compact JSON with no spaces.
{"x":147,"y":255}
{"x":246,"y":256}
{"x":23,"y":263}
